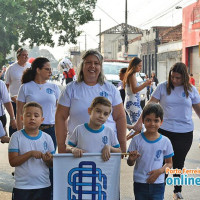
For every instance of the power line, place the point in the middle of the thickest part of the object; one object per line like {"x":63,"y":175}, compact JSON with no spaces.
{"x":165,"y":12}
{"x":107,"y":14}
{"x":168,"y":10}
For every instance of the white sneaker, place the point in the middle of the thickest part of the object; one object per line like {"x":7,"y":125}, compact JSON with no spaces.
{"x":177,"y":196}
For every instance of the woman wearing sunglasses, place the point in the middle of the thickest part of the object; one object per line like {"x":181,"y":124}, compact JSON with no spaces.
{"x":36,"y":88}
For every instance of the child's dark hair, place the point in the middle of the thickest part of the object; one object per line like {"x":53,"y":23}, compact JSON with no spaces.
{"x":100,"y":100}
{"x":154,"y":108}
{"x":33,"y":104}
{"x":123,"y":70}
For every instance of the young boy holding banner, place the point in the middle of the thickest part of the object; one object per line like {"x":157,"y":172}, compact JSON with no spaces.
{"x":94,"y":137}
{"x":148,"y":150}
{"x":30,"y":152}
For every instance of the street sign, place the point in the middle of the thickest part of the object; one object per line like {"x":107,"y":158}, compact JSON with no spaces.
{"x":74,"y":53}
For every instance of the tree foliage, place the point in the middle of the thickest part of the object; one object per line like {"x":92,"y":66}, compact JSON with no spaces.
{"x":36,"y":21}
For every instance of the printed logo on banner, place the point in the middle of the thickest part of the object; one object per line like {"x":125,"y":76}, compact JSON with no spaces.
{"x":87,"y":180}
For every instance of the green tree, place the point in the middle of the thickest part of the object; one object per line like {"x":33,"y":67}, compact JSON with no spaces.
{"x":36,"y":21}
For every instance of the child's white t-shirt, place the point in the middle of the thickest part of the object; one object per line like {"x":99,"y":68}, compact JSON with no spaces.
{"x":93,"y":141}
{"x":152,"y":154}
{"x":34,"y":173}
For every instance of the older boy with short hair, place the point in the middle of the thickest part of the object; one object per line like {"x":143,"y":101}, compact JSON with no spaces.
{"x":30,"y":152}
{"x":148,"y":150}
{"x":94,"y":137}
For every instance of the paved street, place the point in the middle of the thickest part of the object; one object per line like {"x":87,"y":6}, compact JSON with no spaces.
{"x":189,"y":192}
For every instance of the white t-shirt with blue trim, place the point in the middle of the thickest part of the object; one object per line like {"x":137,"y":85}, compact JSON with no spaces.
{"x":45,"y":94}
{"x":93,"y":141}
{"x":177,"y":107}
{"x":34,"y":173}
{"x":152,"y":154}
{"x":79,"y":96}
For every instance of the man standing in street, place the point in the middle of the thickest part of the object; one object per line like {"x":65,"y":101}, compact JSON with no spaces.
{"x":13,"y":78}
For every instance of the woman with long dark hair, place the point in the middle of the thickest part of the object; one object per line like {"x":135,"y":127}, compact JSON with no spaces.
{"x":36,"y":88}
{"x":132,"y":88}
{"x":177,"y":98}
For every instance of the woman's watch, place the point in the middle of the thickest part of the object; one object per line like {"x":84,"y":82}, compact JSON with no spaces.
{"x":12,"y":118}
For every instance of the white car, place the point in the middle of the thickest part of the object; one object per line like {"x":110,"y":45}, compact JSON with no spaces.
{"x":111,"y":71}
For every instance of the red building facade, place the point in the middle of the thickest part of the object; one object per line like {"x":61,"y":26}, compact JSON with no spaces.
{"x":191,"y":38}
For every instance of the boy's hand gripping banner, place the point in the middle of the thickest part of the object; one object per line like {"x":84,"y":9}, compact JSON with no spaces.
{"x":86,"y":178}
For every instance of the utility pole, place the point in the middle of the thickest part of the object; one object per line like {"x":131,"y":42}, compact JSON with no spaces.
{"x":85,"y":43}
{"x":100,"y":35}
{"x":126,"y":31}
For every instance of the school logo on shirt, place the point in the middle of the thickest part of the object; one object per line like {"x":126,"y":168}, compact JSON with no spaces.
{"x":183,"y":94}
{"x":158,"y":154}
{"x":45,"y":145}
{"x":105,"y":139}
{"x":49,"y":91}
{"x":103,"y":94}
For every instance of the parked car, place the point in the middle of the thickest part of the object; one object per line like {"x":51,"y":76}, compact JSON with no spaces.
{"x":111,"y":70}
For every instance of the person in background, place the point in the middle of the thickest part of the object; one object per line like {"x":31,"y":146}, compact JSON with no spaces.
{"x":68,"y":71}
{"x":177,"y":98}
{"x":148,"y":87}
{"x":30,"y":152}
{"x":148,"y":150}
{"x":120,"y":87}
{"x":5,"y":101}
{"x":76,"y":98}
{"x":192,"y":80}
{"x":132,"y":88}
{"x":94,"y":137}
{"x":154,"y":82}
{"x":3,"y":73}
{"x":13,"y":77}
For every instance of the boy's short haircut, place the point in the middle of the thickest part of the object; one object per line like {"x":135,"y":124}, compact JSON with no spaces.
{"x":100,"y":100}
{"x":33,"y":104}
{"x":154,"y":108}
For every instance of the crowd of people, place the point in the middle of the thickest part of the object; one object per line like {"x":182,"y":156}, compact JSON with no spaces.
{"x":89,"y":115}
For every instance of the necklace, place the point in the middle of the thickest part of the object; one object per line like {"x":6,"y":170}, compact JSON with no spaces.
{"x":40,"y":86}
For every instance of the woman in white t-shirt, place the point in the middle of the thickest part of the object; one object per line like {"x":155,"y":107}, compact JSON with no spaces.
{"x":76,"y":99}
{"x":177,"y":97}
{"x":36,"y":88}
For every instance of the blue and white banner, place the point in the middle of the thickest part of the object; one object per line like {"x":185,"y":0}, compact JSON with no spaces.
{"x":86,"y":178}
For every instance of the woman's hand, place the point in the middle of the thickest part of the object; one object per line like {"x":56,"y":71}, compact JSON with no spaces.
{"x":148,"y":82}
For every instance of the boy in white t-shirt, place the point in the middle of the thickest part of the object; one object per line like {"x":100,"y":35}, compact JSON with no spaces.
{"x":148,"y":150}
{"x":30,"y":152}
{"x":94,"y":137}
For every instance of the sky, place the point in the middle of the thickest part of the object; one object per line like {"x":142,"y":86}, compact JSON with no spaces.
{"x":141,"y":13}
